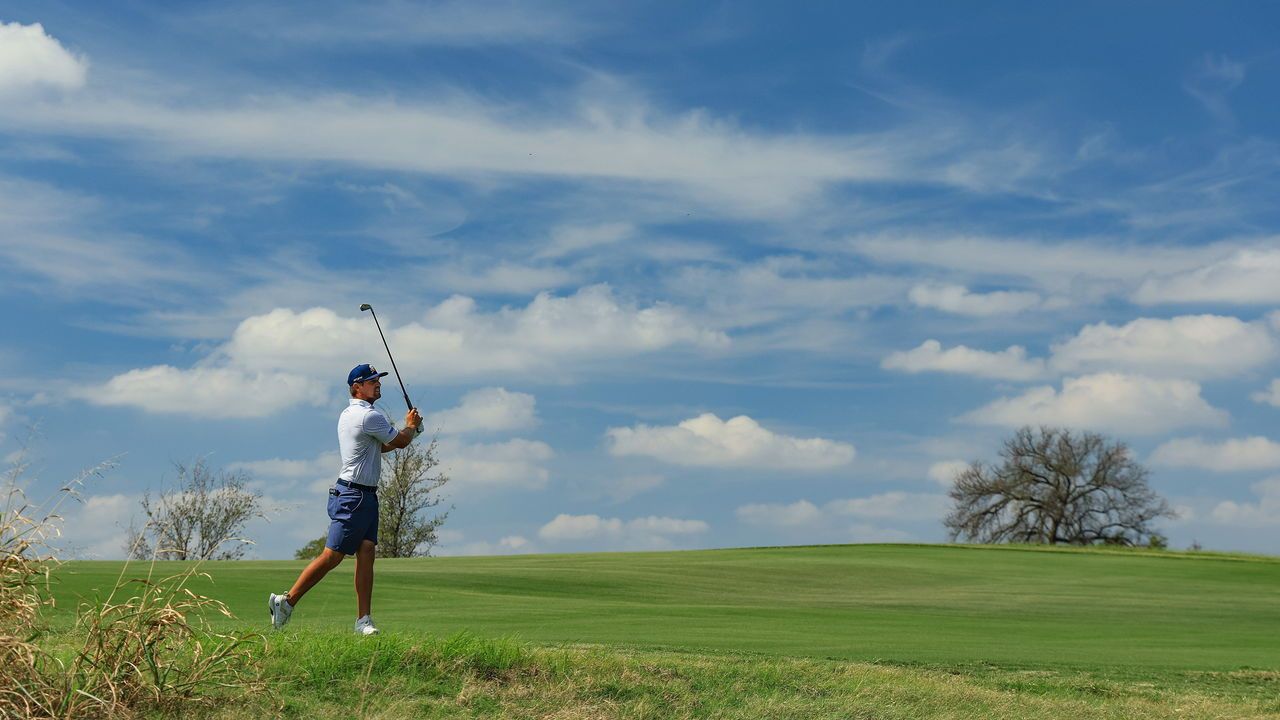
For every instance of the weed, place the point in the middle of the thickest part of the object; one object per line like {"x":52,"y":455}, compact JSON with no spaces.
{"x":152,"y":649}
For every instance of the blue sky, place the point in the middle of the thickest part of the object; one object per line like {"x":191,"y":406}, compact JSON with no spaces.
{"x":663,"y":276}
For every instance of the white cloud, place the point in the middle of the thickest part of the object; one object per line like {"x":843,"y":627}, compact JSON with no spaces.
{"x":502,"y":277}
{"x":283,"y":358}
{"x":628,"y":486}
{"x":646,"y":532}
{"x":1212,"y":82}
{"x":451,"y":544}
{"x":957,"y":299}
{"x":806,"y":517}
{"x":1263,"y":513}
{"x":318,"y":472}
{"x":1270,"y":396}
{"x":1246,"y":277}
{"x":455,"y":340}
{"x":30,"y":58}
{"x":944,"y":472}
{"x":1112,"y":402}
{"x":1190,"y":345}
{"x":799,"y":514}
{"x":569,"y":239}
{"x":96,"y":527}
{"x":486,"y":410}
{"x":207,"y":392}
{"x":893,"y":506}
{"x":1009,"y":364}
{"x":512,"y":464}
{"x":1251,"y":453}
{"x":708,"y":441}
{"x":1060,"y":267}
{"x":757,"y":292}
{"x":392,"y":22}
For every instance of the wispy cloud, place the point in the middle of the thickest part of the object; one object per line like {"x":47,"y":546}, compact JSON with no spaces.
{"x":1212,"y":81}
{"x":392,"y":22}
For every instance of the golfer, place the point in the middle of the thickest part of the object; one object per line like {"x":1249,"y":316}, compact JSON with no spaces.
{"x":364,"y":433}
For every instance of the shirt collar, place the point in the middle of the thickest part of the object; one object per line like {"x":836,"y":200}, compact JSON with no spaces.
{"x":358,"y":401}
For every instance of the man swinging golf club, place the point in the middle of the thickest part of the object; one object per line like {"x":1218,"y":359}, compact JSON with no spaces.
{"x":364,"y":433}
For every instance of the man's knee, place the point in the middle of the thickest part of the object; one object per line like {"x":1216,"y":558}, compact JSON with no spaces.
{"x":367,"y":549}
{"x":331,"y":558}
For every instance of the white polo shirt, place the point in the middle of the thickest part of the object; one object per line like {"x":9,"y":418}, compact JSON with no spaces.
{"x":362,"y":431}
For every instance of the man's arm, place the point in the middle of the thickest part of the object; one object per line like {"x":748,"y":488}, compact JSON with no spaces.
{"x":405,"y":436}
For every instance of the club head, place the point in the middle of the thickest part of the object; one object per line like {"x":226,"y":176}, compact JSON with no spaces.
{"x":365,"y":306}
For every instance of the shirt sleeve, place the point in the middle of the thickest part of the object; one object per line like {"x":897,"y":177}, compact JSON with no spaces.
{"x":377,"y":425}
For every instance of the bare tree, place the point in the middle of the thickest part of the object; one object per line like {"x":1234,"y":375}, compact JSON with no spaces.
{"x":202,"y":518}
{"x":407,"y":490}
{"x":1055,"y":486}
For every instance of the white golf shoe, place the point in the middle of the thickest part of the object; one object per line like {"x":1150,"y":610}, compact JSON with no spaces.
{"x":365,"y":626}
{"x":280,"y":610}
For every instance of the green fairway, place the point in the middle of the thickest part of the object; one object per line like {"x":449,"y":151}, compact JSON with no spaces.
{"x":896,"y":603}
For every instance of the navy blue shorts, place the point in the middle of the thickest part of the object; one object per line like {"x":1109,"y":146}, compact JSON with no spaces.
{"x":353,"y":518}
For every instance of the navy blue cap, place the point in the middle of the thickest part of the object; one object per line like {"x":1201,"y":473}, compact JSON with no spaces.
{"x":363,"y":372}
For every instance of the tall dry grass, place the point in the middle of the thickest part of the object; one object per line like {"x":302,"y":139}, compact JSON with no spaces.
{"x":145,"y":646}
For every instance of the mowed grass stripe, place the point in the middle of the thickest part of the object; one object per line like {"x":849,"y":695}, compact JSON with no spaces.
{"x":896,"y":603}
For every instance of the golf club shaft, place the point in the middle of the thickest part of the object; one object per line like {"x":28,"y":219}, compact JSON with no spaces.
{"x":407,"y":401}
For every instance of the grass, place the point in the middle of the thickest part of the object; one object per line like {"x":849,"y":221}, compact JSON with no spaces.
{"x":904,"y":604}
{"x":839,"y":631}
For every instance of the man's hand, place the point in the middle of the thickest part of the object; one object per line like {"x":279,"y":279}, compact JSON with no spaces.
{"x":405,"y":436}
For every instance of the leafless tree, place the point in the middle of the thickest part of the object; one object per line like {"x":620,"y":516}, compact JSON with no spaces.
{"x":407,"y":490}
{"x":1055,"y":486}
{"x":202,"y":518}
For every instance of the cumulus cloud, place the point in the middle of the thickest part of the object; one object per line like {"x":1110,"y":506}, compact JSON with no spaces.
{"x":1246,"y":277}
{"x":626,"y":487}
{"x":283,"y":358}
{"x":1009,"y":364}
{"x":96,"y":527}
{"x":1190,"y":345}
{"x":512,"y":464}
{"x":1251,"y":453}
{"x":708,"y":441}
{"x":944,"y":473}
{"x":1113,"y":402}
{"x":1263,"y":513}
{"x":646,"y":532}
{"x":849,"y":518}
{"x":1270,"y":396}
{"x":957,"y":299}
{"x":31,"y":59}
{"x":207,"y":391}
{"x":457,"y":340}
{"x":487,"y":410}
{"x":893,"y":506}
{"x":799,"y":514}
{"x":452,"y":544}
{"x":316,"y":473}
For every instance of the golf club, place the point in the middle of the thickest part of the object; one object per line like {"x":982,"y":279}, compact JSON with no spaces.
{"x":407,"y":401}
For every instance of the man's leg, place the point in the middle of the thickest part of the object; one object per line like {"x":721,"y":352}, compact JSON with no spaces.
{"x":328,"y":560}
{"x":364,"y":577}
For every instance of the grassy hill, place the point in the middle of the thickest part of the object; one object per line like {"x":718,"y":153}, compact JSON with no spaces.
{"x":907,"y":605}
